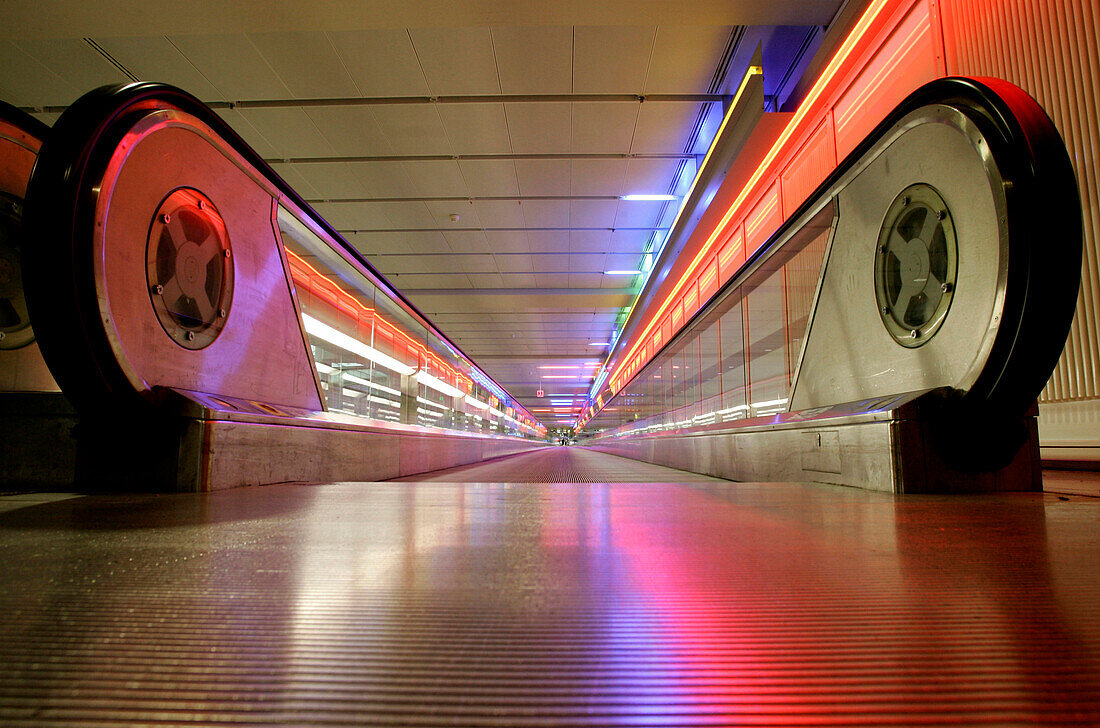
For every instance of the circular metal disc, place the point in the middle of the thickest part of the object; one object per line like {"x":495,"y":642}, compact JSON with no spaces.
{"x":916,"y":265}
{"x":189,"y":266}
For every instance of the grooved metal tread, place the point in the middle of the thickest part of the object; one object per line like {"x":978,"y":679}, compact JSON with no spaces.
{"x":549,"y":604}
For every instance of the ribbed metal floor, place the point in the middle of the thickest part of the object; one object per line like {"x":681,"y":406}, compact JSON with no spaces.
{"x":444,"y":604}
{"x":561,"y":465}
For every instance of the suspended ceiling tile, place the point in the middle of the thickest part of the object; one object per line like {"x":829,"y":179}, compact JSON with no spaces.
{"x":412,"y":129}
{"x":438,"y":179}
{"x":664,"y":127}
{"x":351,"y":130}
{"x":603,"y":127}
{"x":391,"y":264}
{"x":486,"y":280}
{"x":546,"y":213}
{"x":69,"y":68}
{"x":552,"y":280}
{"x":534,"y":59}
{"x":307,"y":63}
{"x":297,"y":182}
{"x":633,"y":213}
{"x":467,"y":241}
{"x":586,"y":263}
{"x":685,"y":57}
{"x":616,"y":281}
{"x":597,"y":176}
{"x":543,"y":176}
{"x":331,"y":181}
{"x":467,"y":215}
{"x":625,"y":241}
{"x":499,"y":213}
{"x":373,"y":244}
{"x":156,"y":59}
{"x":415,"y":281}
{"x":476,"y":128}
{"x":354,"y":216}
{"x":384,"y":179}
{"x":611,"y":59}
{"x":490,"y":178}
{"x":515,"y":263}
{"x":290,"y":131}
{"x":457,"y":60}
{"x":589,"y":241}
{"x":507,"y":242}
{"x":623,"y":261}
{"x":430,"y":243}
{"x":233,"y":64}
{"x":592,"y":213}
{"x":519,"y":280}
{"x":249,"y":133}
{"x":472,"y":263}
{"x":540,"y":128}
{"x":649,"y":176}
{"x":585,"y":280}
{"x":381,"y":62}
{"x":548,"y":241}
{"x":409,"y":215}
{"x":548,"y":263}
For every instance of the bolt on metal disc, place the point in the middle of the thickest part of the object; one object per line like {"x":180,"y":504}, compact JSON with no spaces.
{"x":916,"y":265}
{"x":189,"y":269}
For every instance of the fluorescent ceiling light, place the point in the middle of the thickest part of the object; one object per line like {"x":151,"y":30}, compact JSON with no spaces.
{"x":599,"y":343}
{"x":336,"y":338}
{"x":558,"y":367}
{"x":647,"y":198}
{"x":622,"y":272}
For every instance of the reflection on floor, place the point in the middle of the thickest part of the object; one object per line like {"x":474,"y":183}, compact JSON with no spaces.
{"x":530,"y":604}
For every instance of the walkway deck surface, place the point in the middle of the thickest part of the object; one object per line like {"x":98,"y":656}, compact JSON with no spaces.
{"x":503,"y":600}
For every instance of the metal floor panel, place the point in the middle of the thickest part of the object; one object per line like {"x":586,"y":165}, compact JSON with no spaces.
{"x":537,"y":604}
{"x":561,"y":465}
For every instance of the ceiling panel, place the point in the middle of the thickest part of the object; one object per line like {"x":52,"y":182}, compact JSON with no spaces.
{"x":233,"y":64}
{"x":540,"y":128}
{"x":548,"y":241}
{"x":585,"y":280}
{"x":476,"y":128}
{"x":611,"y":59}
{"x":634,"y":213}
{"x":370,"y":244}
{"x":474,"y":263}
{"x":412,"y":128}
{"x":664,"y":128}
{"x":384,"y":179}
{"x":414,"y":215}
{"x":157,"y":59}
{"x":463,"y":241}
{"x":307,"y":63}
{"x":381,"y":62}
{"x":507,"y":242}
{"x":546,"y":213}
{"x":543,"y":176}
{"x":437,"y":179}
{"x":351,"y":131}
{"x":603,"y":127}
{"x":625,"y":241}
{"x":500,"y":213}
{"x":586,"y":263}
{"x":329,"y":181}
{"x":592,"y":213}
{"x":684,"y":58}
{"x":467,"y":215}
{"x":649,"y":176}
{"x":597,"y":176}
{"x":490,"y":178}
{"x":355,"y":216}
{"x":457,"y":60}
{"x":290,"y":131}
{"x":515,"y":263}
{"x":589,"y":241}
{"x":486,"y":280}
{"x":56,"y":71}
{"x":534,"y":60}
{"x":418,"y":281}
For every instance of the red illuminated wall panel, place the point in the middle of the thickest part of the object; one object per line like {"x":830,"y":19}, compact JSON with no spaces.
{"x":731,"y":255}
{"x":905,"y":61}
{"x":811,"y":165}
{"x":691,"y":301}
{"x":708,"y":281}
{"x":763,"y":220}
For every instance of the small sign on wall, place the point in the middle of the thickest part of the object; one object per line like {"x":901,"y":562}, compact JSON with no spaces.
{"x":539,"y":393}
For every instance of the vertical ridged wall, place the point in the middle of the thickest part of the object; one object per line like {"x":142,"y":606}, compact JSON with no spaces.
{"x":1049,"y":48}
